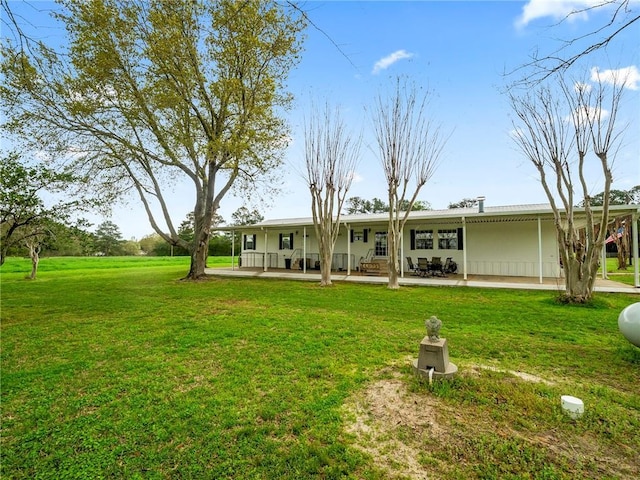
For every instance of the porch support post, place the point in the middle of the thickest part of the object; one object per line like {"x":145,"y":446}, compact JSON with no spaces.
{"x":348,"y":248}
{"x":264,"y":261}
{"x":233,"y":253}
{"x":540,"y":250}
{"x":304,"y":249}
{"x":603,"y":262}
{"x":402,"y":253}
{"x":635,"y":234}
{"x":464,"y":249}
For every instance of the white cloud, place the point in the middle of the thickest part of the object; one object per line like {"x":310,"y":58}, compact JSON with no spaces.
{"x":389,"y":60}
{"x":356,"y":177}
{"x":556,"y":9}
{"x":629,"y":76}
{"x":587,"y":115}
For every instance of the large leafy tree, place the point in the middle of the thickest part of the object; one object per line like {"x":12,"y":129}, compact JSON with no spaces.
{"x":244,"y":216}
{"x":360,"y":205}
{"x":355,"y":205}
{"x":616,"y":197}
{"x":150,"y":93}
{"x":25,"y":217}
{"x":464,"y":203}
{"x":108,"y":239}
{"x":70,"y":239}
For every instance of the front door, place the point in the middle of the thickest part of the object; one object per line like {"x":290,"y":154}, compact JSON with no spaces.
{"x":380,"y":244}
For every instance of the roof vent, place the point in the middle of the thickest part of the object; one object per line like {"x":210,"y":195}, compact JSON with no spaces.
{"x":480,"y":204}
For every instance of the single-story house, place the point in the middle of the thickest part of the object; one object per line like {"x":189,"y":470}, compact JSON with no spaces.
{"x":516,"y":240}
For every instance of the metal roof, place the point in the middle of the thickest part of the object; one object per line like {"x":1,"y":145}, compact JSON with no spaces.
{"x":490,"y":214}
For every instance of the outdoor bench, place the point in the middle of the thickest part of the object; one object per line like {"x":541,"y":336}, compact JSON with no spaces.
{"x":373,"y":268}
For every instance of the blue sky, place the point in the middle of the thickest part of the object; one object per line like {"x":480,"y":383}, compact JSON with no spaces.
{"x":459,"y":50}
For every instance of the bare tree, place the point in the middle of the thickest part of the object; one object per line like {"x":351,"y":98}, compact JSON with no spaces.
{"x":331,"y":156}
{"x":411,"y":146}
{"x":541,"y":66}
{"x":557,"y":130}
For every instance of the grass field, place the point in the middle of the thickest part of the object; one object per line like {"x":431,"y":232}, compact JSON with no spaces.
{"x":114,"y":368}
{"x":622,"y":276}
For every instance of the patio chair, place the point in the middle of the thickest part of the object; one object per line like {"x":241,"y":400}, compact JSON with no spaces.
{"x":413,"y":268}
{"x":436,"y":266}
{"x":423,"y":266}
{"x":450,"y":266}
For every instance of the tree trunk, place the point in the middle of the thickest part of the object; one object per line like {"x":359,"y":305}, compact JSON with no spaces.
{"x":199,"y":254}
{"x":325,"y":269}
{"x":324,"y":231}
{"x":394,"y":270}
{"x":34,"y":253}
{"x":580,"y":278}
{"x":622,"y":243}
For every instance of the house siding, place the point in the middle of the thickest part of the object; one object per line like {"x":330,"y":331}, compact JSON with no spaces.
{"x":506,"y":241}
{"x":493,"y":248}
{"x":511,"y":249}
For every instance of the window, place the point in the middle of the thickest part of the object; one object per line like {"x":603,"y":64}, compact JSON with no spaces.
{"x":249,"y":242}
{"x":360,"y":236}
{"x":447,"y":239}
{"x":380,"y":249}
{"x":286,"y":241}
{"x":421,"y":239}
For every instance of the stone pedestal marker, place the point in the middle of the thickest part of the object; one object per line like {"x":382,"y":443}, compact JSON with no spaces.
{"x":434,"y":354}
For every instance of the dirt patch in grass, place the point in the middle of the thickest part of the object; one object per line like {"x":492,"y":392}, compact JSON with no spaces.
{"x":390,"y":423}
{"x":527,"y":377}
{"x":416,"y":435}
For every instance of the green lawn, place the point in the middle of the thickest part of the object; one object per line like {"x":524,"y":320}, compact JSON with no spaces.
{"x":622,"y":276}
{"x":114,"y":368}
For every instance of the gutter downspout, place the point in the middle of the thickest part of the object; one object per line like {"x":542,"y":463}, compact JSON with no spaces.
{"x":464,"y":250}
{"x":540,"y":250}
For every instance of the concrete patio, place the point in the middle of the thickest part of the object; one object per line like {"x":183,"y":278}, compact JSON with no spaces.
{"x":526,"y":283}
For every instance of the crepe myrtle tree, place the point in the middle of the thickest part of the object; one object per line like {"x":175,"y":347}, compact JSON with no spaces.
{"x":331,"y":156}
{"x":410,"y":146}
{"x":565,"y":130}
{"x":150,"y":94}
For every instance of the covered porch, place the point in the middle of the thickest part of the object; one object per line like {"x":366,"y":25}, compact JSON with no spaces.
{"x":513,"y":242}
{"x":455,"y":280}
